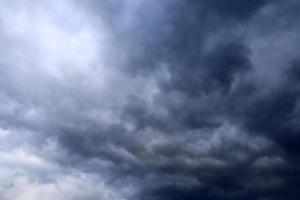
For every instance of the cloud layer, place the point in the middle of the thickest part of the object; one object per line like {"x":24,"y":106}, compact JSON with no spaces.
{"x":154,"y":100}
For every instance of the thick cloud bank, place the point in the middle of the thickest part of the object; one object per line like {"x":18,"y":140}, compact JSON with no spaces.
{"x":150,"y":100}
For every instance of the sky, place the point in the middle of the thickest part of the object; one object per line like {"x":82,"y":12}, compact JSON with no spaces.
{"x":150,"y":100}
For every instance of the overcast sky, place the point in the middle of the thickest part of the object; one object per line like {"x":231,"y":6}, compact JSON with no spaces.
{"x":149,"y":99}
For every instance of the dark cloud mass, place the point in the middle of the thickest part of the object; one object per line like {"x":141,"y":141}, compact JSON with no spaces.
{"x":150,"y":100}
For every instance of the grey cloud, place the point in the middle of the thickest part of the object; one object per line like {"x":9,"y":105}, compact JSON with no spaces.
{"x":149,"y":100}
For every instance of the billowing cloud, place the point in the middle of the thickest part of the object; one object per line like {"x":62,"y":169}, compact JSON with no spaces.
{"x":154,"y":100}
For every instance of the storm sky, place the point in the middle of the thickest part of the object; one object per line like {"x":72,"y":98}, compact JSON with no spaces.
{"x":150,"y":99}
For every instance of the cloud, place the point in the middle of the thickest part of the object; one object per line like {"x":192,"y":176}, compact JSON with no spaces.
{"x":149,"y":100}
{"x":76,"y":187}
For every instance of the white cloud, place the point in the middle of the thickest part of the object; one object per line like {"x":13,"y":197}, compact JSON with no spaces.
{"x":75,"y":187}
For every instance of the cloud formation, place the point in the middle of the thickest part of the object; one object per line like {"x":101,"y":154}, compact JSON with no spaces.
{"x":151,"y":100}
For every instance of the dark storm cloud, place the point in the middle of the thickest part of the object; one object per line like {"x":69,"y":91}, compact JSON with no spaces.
{"x":210,"y":84}
{"x":152,"y":100}
{"x":207,"y":85}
